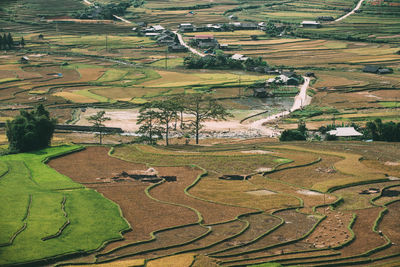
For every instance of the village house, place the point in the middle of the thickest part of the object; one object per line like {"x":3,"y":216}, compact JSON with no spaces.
{"x":239,"y":57}
{"x":186,"y":27}
{"x":325,"y":18}
{"x":24,"y":60}
{"x":377,"y":69}
{"x":177,"y":48}
{"x":286,"y":78}
{"x":214,"y":27}
{"x":345,"y":133}
{"x":311,"y":24}
{"x":244,"y":26}
{"x":205,"y":41}
{"x":154,"y":29}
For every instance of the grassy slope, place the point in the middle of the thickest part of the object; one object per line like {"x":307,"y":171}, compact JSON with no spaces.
{"x":93,"y":219}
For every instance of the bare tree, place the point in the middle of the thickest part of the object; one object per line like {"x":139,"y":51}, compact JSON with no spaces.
{"x":149,"y":120}
{"x":97,"y":122}
{"x":166,"y":113}
{"x":202,"y":108}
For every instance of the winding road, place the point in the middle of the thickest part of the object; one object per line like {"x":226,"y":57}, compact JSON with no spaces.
{"x":182,"y":42}
{"x":351,"y":12}
{"x":301,"y":100}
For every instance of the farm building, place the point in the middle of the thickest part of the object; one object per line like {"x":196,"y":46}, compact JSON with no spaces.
{"x":377,"y":69}
{"x":177,"y":48}
{"x":186,"y":27}
{"x":311,"y":24}
{"x":214,"y":27}
{"x":239,"y":57}
{"x":206,"y":41}
{"x":24,"y":60}
{"x":260,"y":92}
{"x":325,"y":18}
{"x":244,"y":26}
{"x":345,"y":132}
{"x":153,"y":29}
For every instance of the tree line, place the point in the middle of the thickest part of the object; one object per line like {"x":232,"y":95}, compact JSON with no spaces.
{"x":7,"y":42}
{"x":158,"y":118}
{"x":222,"y":61}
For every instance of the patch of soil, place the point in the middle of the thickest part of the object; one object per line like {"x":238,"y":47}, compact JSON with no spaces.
{"x":332,"y":231}
{"x":257,"y":152}
{"x":390,"y":227}
{"x":263,"y":192}
{"x":366,"y":239}
{"x":309,"y":193}
{"x":145,"y":215}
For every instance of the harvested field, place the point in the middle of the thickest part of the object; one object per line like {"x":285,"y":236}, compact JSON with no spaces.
{"x":164,"y":239}
{"x":259,"y":225}
{"x":219,"y":233}
{"x":295,"y":226}
{"x":175,"y":193}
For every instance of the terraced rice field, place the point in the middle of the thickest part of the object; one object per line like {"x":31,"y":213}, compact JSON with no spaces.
{"x":188,"y":217}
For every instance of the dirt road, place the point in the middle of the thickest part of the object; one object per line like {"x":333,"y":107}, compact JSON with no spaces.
{"x":351,"y":12}
{"x":194,"y":51}
{"x":301,"y":100}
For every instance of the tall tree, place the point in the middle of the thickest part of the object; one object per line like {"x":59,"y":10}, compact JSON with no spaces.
{"x":97,"y":121}
{"x":30,"y":130}
{"x":149,"y":118}
{"x":10,"y":41}
{"x":22,"y":42}
{"x":166,"y":113}
{"x":1,"y":43}
{"x":203,"y":108}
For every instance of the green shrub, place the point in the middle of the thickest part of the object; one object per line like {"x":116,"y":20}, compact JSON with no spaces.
{"x":30,"y":130}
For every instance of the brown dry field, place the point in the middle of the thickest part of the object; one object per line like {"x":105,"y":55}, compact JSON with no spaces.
{"x":93,"y":162}
{"x":259,"y":224}
{"x":164,"y":239}
{"x":219,"y":233}
{"x":296,"y":225}
{"x":174,"y":192}
{"x":391,"y":228}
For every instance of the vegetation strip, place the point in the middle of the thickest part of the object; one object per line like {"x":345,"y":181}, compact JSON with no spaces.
{"x":67,"y":222}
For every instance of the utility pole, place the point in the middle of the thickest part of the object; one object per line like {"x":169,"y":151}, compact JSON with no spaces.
{"x":166,"y":58}
{"x":106,"y":43}
{"x":240,"y":86}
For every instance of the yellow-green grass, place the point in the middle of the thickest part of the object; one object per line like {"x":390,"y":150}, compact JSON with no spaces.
{"x":99,"y":42}
{"x":390,"y":104}
{"x":171,"y":63}
{"x":220,"y":164}
{"x":7,"y":80}
{"x":235,"y":34}
{"x":350,"y":166}
{"x":121,"y":263}
{"x":112,"y":75}
{"x":93,"y":219}
{"x":236,"y":193}
{"x":74,"y":97}
{"x":89,"y":94}
{"x":175,"y":79}
{"x":182,"y":260}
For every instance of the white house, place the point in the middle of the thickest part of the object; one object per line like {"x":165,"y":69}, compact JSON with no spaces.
{"x":345,"y":132}
{"x":239,"y":57}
